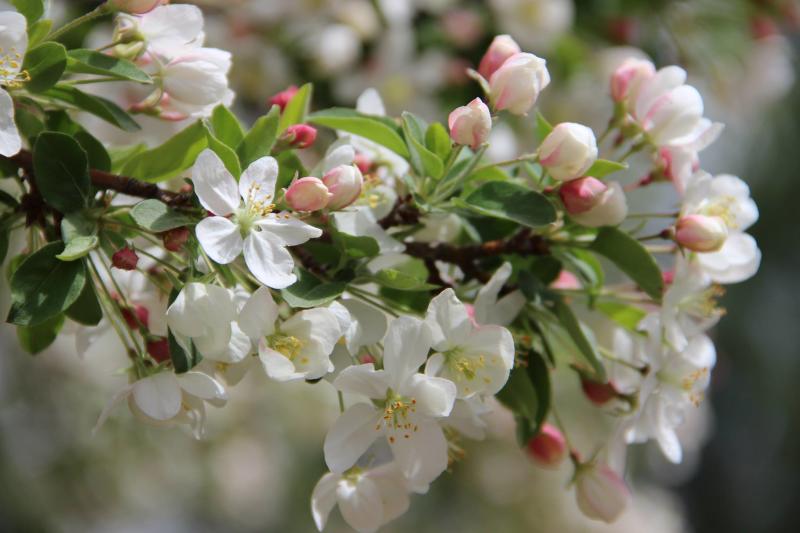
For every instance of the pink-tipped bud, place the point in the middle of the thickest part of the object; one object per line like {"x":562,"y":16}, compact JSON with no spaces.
{"x":566,"y":280}
{"x":158,"y":348}
{"x":364,"y":163}
{"x":137,"y":317}
{"x":598,"y":393}
{"x":582,"y":194}
{"x":135,"y":7}
{"x":299,"y":136}
{"x":629,"y":76}
{"x":701,"y":233}
{"x":308,"y":194}
{"x":344,"y":183}
{"x":600,"y":492}
{"x":284,"y":97}
{"x":516,"y":85}
{"x":568,"y":151}
{"x":609,"y":211}
{"x":471,"y":124}
{"x":502,"y":47}
{"x":174,"y":239}
{"x":548,"y":448}
{"x":125,"y":259}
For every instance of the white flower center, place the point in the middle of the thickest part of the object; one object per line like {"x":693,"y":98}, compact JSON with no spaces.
{"x":724,"y":207}
{"x":398,"y":414}
{"x":287,"y":345}
{"x":10,"y":63}
{"x":256,"y":207}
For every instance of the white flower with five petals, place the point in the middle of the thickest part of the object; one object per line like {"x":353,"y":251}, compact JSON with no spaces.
{"x":247,"y":225}
{"x":13,"y":44}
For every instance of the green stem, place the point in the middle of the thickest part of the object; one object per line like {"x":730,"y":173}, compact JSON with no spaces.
{"x":520,"y":159}
{"x":99,"y":11}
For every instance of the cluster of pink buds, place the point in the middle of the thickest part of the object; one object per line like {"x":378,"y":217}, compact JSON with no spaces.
{"x":338,"y":188}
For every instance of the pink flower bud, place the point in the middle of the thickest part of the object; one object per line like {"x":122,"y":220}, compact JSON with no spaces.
{"x":471,"y":124}
{"x":629,"y":76}
{"x":601,"y":493}
{"x":125,"y":259}
{"x":174,"y":239}
{"x":502,"y":47}
{"x":568,"y":151}
{"x":283,"y":97}
{"x":158,"y":349}
{"x":582,"y":194}
{"x":363,"y":162}
{"x":307,"y":194}
{"x":610,"y":210}
{"x":516,"y":85}
{"x":299,"y":136}
{"x":137,"y":317}
{"x":566,"y":280}
{"x":598,"y":393}
{"x":135,"y":7}
{"x":701,"y":233}
{"x":548,"y":448}
{"x":344,"y":183}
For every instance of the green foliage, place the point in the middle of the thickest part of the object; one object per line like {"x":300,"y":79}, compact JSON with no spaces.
{"x":437,"y":140}
{"x":95,"y":151}
{"x":225,"y":153}
{"x":42,"y":286}
{"x":509,"y":201}
{"x":310,"y":291}
{"x":381,"y":130}
{"x":527,"y":394}
{"x":156,"y":216}
{"x":86,"y":310}
{"x":424,"y":162}
{"x":630,"y":256}
{"x":84,"y":61}
{"x":297,"y":108}
{"x":412,"y":275}
{"x":31,"y":9}
{"x":96,"y":105}
{"x":625,"y":315}
{"x":45,"y":64}
{"x":34,"y":339}
{"x":260,"y":139}
{"x":543,"y":127}
{"x":62,"y":172}
{"x":79,"y":247}
{"x":38,"y":31}
{"x":171,"y":158}
{"x":226,"y":126}
{"x":604,"y":167}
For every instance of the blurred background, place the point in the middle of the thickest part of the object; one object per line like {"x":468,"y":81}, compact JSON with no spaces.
{"x":263,"y":454}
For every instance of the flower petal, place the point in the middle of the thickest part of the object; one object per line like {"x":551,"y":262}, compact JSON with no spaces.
{"x":215,"y":187}
{"x":362,"y":379}
{"x":323,"y":498}
{"x":268,"y":260}
{"x":288,"y":229}
{"x":406,"y":347}
{"x":276,"y":365}
{"x":360,"y":504}
{"x":202,"y":386}
{"x":257,"y":317}
{"x":220,"y":238}
{"x":423,"y":455}
{"x":258,"y":181}
{"x":435,"y":396}
{"x":10,"y":141}
{"x":158,"y":396}
{"x":448,"y":320}
{"x":350,"y":436}
{"x":13,"y":36}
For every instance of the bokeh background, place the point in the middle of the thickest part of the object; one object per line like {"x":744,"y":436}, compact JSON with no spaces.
{"x":262,"y":456}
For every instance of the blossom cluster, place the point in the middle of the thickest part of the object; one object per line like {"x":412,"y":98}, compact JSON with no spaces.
{"x":430,"y":287}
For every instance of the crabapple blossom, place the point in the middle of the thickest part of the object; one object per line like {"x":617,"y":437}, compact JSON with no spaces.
{"x":135,"y":7}
{"x":344,"y":183}
{"x":610,"y":210}
{"x":471,"y":124}
{"x":548,"y":449}
{"x":502,"y":47}
{"x":600,"y":492}
{"x":582,"y":194}
{"x":13,"y":45}
{"x":307,"y":194}
{"x":568,"y":151}
{"x":489,"y":309}
{"x":300,"y":136}
{"x":516,"y":85}
{"x":254,"y":229}
{"x":283,"y":98}
{"x":701,"y":233}
{"x":629,"y":76}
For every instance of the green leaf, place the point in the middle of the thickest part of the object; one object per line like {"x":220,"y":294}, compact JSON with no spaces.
{"x":310,"y":291}
{"x":226,"y":126}
{"x":86,"y":61}
{"x":625,"y":315}
{"x":78,"y":247}
{"x":120,"y":156}
{"x":31,"y":9}
{"x":401,"y":280}
{"x":356,"y":247}
{"x":437,"y":140}
{"x":260,"y":139}
{"x":171,"y":158}
{"x":543,"y":127}
{"x":575,"y":330}
{"x":95,"y":151}
{"x":86,"y":310}
{"x":34,"y":339}
{"x":225,"y":153}
{"x":76,"y":225}
{"x":297,"y":108}
{"x":4,"y":242}
{"x":289,"y":166}
{"x":96,"y":105}
{"x":157,"y":216}
{"x":630,"y":256}
{"x":28,"y":124}
{"x":182,"y":361}
{"x":527,"y":394}
{"x":45,"y":64}
{"x":62,"y":172}
{"x":604,"y":167}
{"x":381,"y":130}
{"x":509,"y":201}
{"x":43,"y":287}
{"x":38,"y":31}
{"x":425,"y":162}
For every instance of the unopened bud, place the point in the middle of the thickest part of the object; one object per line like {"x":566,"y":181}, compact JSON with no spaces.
{"x":471,"y":124}
{"x":629,"y":76}
{"x":568,"y":151}
{"x":502,"y":47}
{"x":284,"y":97}
{"x":135,"y":7}
{"x":581,"y":195}
{"x":299,"y":136}
{"x":600,"y":492}
{"x":344,"y":183}
{"x":174,"y":239}
{"x":597,"y":392}
{"x":516,"y":85}
{"x":308,"y":194}
{"x":137,"y":317}
{"x":566,"y":280}
{"x":364,"y":163}
{"x":548,"y":448}
{"x":609,"y":211}
{"x":701,"y":233}
{"x":158,"y":348}
{"x":125,"y":259}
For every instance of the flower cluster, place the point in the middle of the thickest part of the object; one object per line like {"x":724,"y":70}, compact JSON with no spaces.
{"x":429,"y":286}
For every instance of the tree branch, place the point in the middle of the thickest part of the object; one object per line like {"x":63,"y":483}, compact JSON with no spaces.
{"x":113,"y":182}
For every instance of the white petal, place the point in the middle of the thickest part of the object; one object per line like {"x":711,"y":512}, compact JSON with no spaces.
{"x":323,"y":498}
{"x":215,"y":187}
{"x":268,"y":260}
{"x":393,"y":489}
{"x":276,"y":365}
{"x":737,"y":261}
{"x":318,"y":326}
{"x":362,"y":379}
{"x":257,"y":317}
{"x":370,"y":103}
{"x":13,"y":36}
{"x":158,"y":396}
{"x":199,"y":307}
{"x":423,"y":456}
{"x":360,"y":504}
{"x":172,"y":29}
{"x":435,"y":396}
{"x":202,"y":386}
{"x":368,"y":325}
{"x":258,"y":180}
{"x":406,"y":347}
{"x":350,"y":436}
{"x":491,"y":341}
{"x":240,"y":345}
{"x":220,"y":238}
{"x":448,"y":320}
{"x":10,"y":141}
{"x":290,"y":231}
{"x":117,"y":399}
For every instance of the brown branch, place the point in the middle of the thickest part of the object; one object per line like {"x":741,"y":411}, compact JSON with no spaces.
{"x":113,"y":182}
{"x":402,"y":214}
{"x":523,"y":243}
